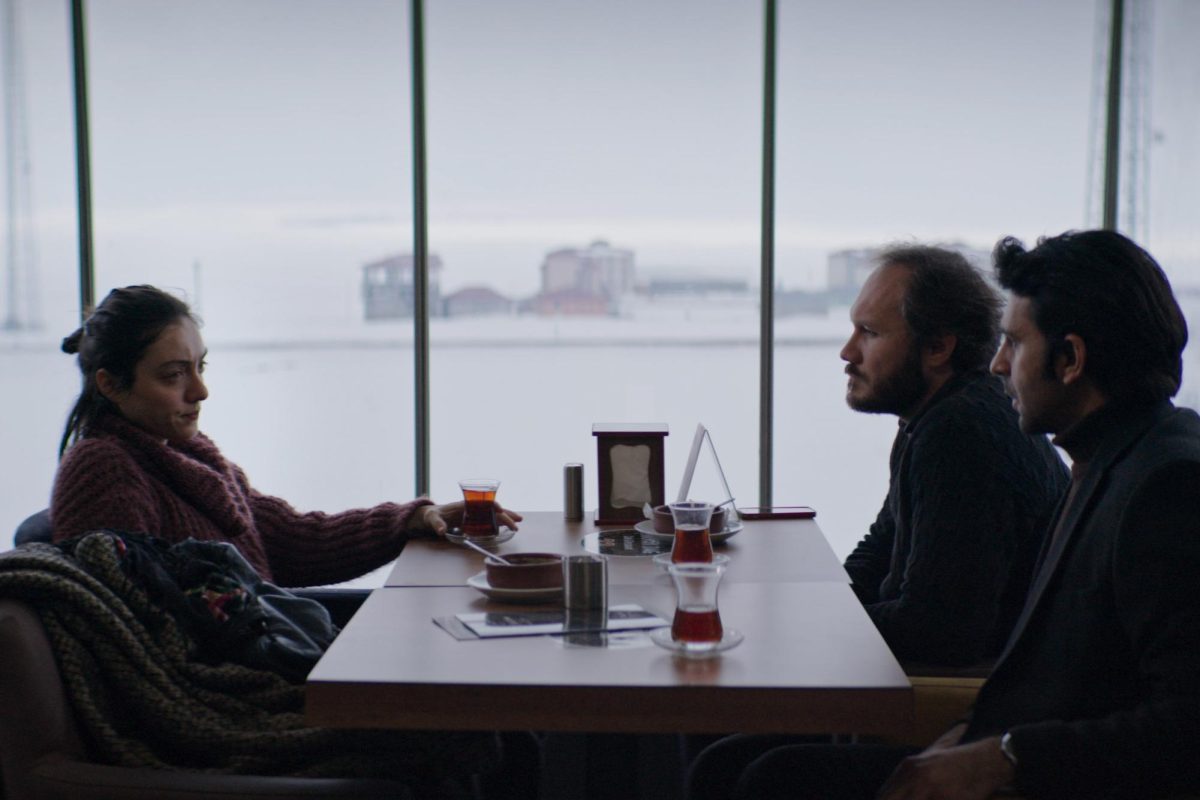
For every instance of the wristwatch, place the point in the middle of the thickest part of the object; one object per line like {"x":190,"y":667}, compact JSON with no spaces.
{"x":1006,"y":749}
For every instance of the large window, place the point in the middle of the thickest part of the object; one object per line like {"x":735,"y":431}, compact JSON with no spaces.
{"x":594,"y":172}
{"x":254,"y":157}
{"x":594,"y":185}
{"x":1163,"y":205}
{"x":39,"y":300}
{"x":939,"y":122}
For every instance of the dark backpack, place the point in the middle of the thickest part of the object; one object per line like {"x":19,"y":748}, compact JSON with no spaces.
{"x":228,"y":610}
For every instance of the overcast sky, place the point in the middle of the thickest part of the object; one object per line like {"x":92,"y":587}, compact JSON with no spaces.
{"x":274,"y":135}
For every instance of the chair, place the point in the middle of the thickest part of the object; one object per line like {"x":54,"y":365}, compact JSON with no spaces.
{"x":941,"y":697}
{"x":42,"y":754}
{"x":35,"y":528}
{"x":938,"y":702}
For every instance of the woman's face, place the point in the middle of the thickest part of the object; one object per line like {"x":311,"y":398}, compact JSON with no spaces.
{"x":167,"y":389}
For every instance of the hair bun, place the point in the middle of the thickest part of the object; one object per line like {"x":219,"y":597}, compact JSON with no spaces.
{"x":70,"y":344}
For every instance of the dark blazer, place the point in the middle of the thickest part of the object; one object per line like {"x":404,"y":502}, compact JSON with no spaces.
{"x":1100,"y":682}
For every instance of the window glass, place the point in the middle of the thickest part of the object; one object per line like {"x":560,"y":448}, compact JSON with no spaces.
{"x":255,"y":157}
{"x":938,"y":121}
{"x":1166,"y":202}
{"x":594,"y":201}
{"x":594,"y":198}
{"x":39,"y":287}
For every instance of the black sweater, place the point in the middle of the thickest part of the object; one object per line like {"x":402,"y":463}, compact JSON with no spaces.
{"x":945,"y":568}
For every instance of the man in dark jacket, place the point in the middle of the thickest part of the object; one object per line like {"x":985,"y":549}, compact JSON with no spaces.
{"x":946,"y":565}
{"x":1097,"y":693}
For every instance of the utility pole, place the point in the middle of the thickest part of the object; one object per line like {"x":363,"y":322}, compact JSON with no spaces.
{"x":21,"y":303}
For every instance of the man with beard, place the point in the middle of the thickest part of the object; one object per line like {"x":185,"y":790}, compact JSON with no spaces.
{"x":944,"y":570}
{"x":945,"y":567}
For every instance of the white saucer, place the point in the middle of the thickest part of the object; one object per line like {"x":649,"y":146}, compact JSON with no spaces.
{"x":453,"y":535}
{"x":663,"y":560}
{"x":480,"y":583}
{"x":662,"y":638}
{"x":646,"y":528}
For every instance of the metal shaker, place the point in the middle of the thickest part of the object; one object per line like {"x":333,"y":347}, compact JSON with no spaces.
{"x":573,"y":492}
{"x":585,"y":582}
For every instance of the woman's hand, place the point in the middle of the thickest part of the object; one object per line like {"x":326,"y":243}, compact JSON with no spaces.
{"x":438,"y":519}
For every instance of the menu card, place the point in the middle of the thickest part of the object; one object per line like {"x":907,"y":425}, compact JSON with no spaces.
{"x":629,"y":616}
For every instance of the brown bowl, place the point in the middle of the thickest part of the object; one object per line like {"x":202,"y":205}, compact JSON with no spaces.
{"x":665,"y":523}
{"x":525,"y":571}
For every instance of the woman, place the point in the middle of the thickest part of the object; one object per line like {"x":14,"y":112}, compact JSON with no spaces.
{"x":133,"y":458}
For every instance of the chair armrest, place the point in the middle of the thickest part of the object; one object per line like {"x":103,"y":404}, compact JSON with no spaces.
{"x":340,"y":603}
{"x":35,"y":528}
{"x":938,"y":703}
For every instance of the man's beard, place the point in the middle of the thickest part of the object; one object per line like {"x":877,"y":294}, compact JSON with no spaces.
{"x":895,"y":393}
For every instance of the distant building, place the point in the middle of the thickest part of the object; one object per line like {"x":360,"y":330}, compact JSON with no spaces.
{"x":580,"y":281}
{"x":695,"y":284}
{"x":569,"y":302}
{"x":847,"y":270}
{"x":474,"y":301}
{"x":387,"y":287}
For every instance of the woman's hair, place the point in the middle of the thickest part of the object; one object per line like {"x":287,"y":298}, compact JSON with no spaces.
{"x":113,"y":339}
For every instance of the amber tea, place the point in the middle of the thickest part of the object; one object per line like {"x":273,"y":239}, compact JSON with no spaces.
{"x":479,"y":508}
{"x":697,"y":626}
{"x":693,"y":544}
{"x":697,"y":620}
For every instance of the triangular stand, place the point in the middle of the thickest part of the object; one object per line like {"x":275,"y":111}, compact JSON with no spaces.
{"x":699,"y":441}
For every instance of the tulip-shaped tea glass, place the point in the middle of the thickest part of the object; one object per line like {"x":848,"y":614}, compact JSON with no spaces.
{"x":697,"y":618}
{"x":696,"y":631}
{"x":479,"y":507}
{"x":692,"y":540}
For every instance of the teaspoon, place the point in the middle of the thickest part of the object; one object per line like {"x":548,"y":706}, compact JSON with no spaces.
{"x":486,"y":552}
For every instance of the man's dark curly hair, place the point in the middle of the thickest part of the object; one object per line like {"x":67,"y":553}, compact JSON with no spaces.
{"x":1104,"y":288}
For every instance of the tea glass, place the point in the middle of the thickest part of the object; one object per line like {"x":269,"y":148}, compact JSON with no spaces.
{"x":692,"y":540}
{"x":479,"y":507}
{"x":697,"y":618}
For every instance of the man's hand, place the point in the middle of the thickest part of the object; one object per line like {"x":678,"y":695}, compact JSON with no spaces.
{"x":438,"y":519}
{"x":960,"y":772}
{"x":948,"y":739}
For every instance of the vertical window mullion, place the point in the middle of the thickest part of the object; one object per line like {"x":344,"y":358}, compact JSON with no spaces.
{"x":83,"y":165}
{"x":1112,"y":138}
{"x":767,"y":304}
{"x":420,"y":253}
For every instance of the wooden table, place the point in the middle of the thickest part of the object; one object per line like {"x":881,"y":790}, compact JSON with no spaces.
{"x":766,"y":551}
{"x":811,"y":661}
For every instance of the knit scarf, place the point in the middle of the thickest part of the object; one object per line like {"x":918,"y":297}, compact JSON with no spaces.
{"x":194,"y":469}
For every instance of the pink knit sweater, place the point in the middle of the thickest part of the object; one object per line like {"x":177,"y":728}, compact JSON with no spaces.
{"x":121,"y":477}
